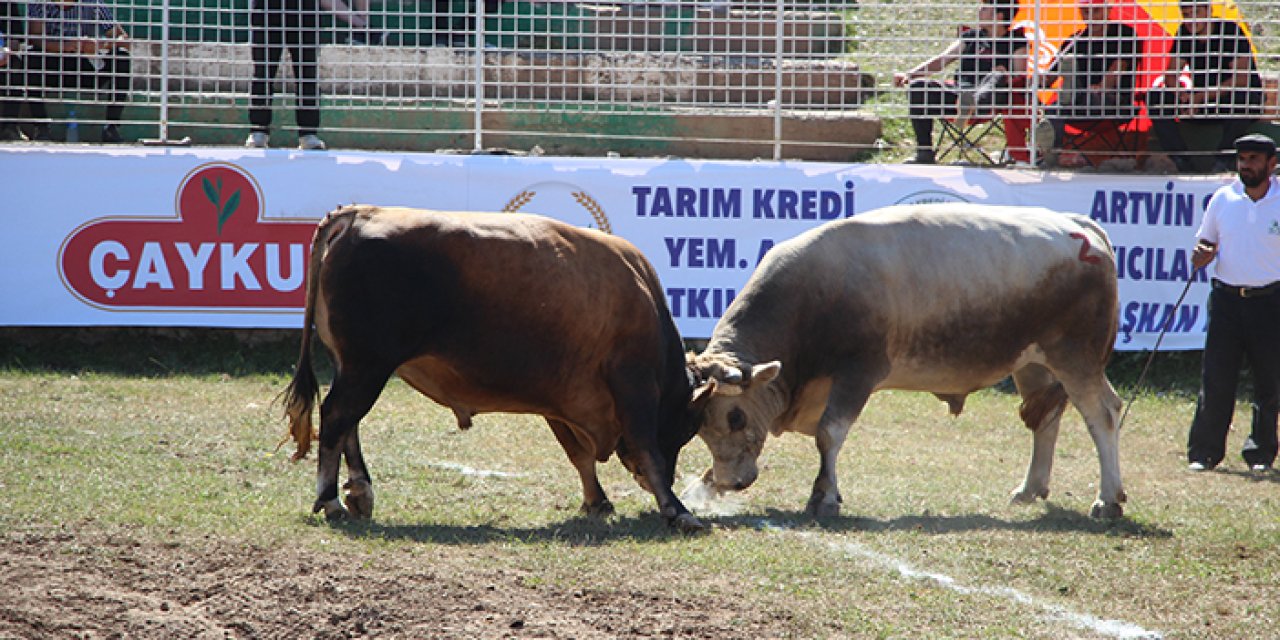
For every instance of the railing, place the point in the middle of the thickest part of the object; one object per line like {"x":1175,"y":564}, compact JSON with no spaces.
{"x":794,"y":79}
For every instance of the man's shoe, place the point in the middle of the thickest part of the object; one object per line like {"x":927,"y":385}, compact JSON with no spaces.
{"x":257,"y":140}
{"x":11,"y":133}
{"x":1260,"y":468}
{"x":111,"y":135}
{"x":1198,"y":466}
{"x":310,"y":142}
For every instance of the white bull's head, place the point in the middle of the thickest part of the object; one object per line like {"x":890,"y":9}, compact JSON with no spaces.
{"x":737,"y":418}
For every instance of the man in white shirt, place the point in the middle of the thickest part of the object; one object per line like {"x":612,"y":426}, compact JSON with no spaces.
{"x":1241,"y":229}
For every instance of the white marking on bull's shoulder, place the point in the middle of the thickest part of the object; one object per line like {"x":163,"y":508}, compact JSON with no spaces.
{"x":469,"y":471}
{"x":1103,"y":626}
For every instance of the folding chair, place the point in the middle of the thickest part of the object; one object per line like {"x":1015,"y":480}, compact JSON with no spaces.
{"x":968,"y":144}
{"x":1097,"y":141}
{"x":993,"y":138}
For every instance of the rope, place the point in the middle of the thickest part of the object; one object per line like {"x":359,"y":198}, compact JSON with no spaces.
{"x":1167,"y":323}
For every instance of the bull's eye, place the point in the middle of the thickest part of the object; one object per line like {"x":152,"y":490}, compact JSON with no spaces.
{"x":737,"y":419}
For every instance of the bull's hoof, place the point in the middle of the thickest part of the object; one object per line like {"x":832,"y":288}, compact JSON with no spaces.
{"x":600,"y":509}
{"x":359,"y":499}
{"x":1106,"y":511}
{"x":820,"y":507}
{"x":333,"y":510}
{"x":688,"y":524}
{"x":1028,"y":496}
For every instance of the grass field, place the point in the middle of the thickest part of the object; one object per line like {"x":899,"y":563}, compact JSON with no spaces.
{"x":146,"y":499}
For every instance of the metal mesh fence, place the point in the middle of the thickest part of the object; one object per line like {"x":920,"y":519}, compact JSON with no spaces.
{"x":454,"y":73}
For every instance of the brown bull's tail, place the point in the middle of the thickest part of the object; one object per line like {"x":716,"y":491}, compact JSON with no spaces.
{"x":301,"y":394}
{"x":1041,"y":404}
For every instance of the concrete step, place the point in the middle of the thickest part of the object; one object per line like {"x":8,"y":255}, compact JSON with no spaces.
{"x":442,"y":73}
{"x":647,"y":28}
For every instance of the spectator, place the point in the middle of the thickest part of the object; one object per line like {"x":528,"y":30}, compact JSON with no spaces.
{"x":9,"y":108}
{"x":1241,"y":228}
{"x":78,"y":43}
{"x":356,"y":15}
{"x":1225,"y":85}
{"x":279,"y":25}
{"x":1096,"y":66}
{"x":13,"y":85}
{"x":989,"y":56}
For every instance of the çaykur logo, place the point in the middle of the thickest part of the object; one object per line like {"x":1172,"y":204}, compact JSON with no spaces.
{"x":217,"y":253}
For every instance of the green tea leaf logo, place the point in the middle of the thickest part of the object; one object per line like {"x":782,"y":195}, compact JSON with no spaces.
{"x":213,"y":192}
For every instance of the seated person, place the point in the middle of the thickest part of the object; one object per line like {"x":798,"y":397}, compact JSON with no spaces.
{"x":13,"y":92}
{"x":79,"y":44}
{"x":1096,"y":65}
{"x":1225,"y":85}
{"x":989,"y":56}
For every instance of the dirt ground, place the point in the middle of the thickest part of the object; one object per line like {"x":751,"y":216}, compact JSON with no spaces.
{"x":70,"y":585}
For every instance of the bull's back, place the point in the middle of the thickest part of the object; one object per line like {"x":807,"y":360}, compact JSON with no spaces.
{"x":934,"y":258}
{"x":500,"y":301}
{"x":934,"y":289}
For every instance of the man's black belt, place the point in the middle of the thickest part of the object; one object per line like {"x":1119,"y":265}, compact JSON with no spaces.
{"x":1247,"y":292}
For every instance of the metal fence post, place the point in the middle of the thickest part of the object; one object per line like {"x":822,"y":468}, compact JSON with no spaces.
{"x":478,"y":52}
{"x":777,"y":83}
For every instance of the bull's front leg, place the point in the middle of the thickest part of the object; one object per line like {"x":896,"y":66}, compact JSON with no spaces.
{"x":653,"y":478}
{"x":843,"y":407}
{"x":825,"y":500}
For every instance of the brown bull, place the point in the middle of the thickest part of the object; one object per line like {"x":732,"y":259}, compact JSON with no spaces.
{"x":493,"y":313}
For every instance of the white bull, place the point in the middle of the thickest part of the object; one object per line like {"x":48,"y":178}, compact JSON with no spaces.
{"x":945,"y":298}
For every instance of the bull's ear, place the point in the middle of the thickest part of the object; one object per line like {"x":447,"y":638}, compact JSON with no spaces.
{"x":765,"y":373}
{"x":702,"y":395}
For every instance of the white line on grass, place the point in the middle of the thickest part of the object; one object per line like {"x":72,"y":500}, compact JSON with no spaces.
{"x":469,"y":471}
{"x":1112,"y":628}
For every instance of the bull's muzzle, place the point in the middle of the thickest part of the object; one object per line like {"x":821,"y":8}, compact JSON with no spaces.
{"x":730,"y":481}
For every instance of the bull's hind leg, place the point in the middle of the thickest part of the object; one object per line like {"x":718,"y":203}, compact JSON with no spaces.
{"x":1097,"y":401}
{"x":350,"y":398}
{"x":1043,"y":401}
{"x":359,"y":485}
{"x":583,"y":456}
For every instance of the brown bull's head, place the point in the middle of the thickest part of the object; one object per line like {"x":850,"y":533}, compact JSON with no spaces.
{"x":737,"y":417}
{"x":680,"y":416}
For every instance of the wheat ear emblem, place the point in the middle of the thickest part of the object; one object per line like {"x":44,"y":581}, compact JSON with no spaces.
{"x":593,"y":208}
{"x":582,"y":197}
{"x":520,"y":200}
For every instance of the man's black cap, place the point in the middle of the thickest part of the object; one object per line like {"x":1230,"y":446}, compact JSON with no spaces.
{"x":1256,"y":142}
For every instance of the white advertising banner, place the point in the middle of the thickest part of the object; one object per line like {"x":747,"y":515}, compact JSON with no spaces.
{"x":217,"y":237}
